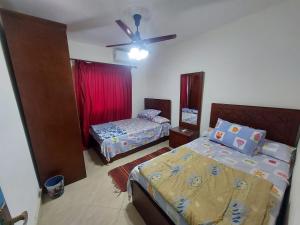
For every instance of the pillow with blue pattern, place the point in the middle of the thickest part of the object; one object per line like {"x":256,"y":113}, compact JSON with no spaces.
{"x":241,"y":138}
{"x":148,"y":114}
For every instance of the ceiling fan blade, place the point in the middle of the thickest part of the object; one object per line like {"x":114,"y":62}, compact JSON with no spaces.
{"x":116,"y":45}
{"x":158,"y":39}
{"x":126,"y":29}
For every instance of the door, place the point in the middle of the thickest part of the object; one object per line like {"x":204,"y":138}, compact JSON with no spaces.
{"x":38,"y":51}
{"x":5,"y":217}
{"x":4,"y":213}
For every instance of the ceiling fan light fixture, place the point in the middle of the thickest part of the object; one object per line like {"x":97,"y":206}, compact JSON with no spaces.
{"x":136,"y":53}
{"x":136,"y":38}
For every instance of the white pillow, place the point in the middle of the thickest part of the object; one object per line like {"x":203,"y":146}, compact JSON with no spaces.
{"x":149,"y":114}
{"x":277,"y":150}
{"x":160,"y":119}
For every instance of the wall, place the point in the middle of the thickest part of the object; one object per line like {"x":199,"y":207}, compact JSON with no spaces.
{"x":253,"y":61}
{"x":84,"y":51}
{"x":102,"y":54}
{"x":17,"y":176}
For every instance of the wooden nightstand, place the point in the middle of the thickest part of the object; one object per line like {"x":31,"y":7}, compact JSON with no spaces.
{"x":180,"y":136}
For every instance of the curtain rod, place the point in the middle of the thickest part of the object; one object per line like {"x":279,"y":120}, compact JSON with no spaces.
{"x":89,"y":61}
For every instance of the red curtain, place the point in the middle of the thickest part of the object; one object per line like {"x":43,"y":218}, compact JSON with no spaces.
{"x":184,"y":91}
{"x":103,"y":92}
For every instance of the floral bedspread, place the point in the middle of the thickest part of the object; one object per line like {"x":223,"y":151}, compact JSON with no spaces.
{"x":270,"y":169}
{"x":124,"y":135}
{"x":207,"y":191}
{"x":108,"y":130}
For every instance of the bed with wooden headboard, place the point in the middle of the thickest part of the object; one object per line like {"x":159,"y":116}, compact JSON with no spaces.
{"x":282,"y":125}
{"x":163,"y":105}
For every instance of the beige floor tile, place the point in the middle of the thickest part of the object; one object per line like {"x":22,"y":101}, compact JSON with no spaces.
{"x":106,"y":195}
{"x":97,"y":215}
{"x":60,"y":214}
{"x":129,"y":216}
{"x":80,"y":191}
{"x":126,"y":201}
{"x":94,"y":200}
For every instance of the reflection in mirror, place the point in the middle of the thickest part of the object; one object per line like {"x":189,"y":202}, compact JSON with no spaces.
{"x":190,"y":98}
{"x":189,"y":115}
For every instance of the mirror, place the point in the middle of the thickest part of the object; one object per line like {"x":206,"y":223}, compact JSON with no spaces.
{"x":191,"y":88}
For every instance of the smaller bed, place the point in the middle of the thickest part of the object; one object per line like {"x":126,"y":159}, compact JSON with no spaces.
{"x":117,"y":139}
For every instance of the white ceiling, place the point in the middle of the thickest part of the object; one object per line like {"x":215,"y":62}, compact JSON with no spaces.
{"x":92,"y":21}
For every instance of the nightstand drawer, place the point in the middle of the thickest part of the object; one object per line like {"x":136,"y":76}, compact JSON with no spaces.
{"x":178,"y":137}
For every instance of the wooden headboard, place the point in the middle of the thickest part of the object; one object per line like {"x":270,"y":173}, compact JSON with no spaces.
{"x":163,"y":105}
{"x":282,"y":125}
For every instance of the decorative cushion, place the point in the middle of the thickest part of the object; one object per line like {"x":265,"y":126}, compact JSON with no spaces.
{"x":241,"y":138}
{"x":277,"y":150}
{"x":160,"y":119}
{"x":149,"y":114}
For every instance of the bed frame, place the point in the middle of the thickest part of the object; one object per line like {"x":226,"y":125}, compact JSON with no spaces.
{"x":163,"y":105}
{"x":282,"y":125}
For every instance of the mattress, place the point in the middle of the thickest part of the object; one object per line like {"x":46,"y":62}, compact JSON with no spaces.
{"x":124,"y":135}
{"x":273,"y":170}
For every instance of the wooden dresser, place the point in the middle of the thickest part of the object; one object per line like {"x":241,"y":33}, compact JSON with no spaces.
{"x":180,"y":136}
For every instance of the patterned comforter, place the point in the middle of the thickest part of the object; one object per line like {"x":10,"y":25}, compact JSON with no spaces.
{"x":271,"y":170}
{"x":124,"y":135}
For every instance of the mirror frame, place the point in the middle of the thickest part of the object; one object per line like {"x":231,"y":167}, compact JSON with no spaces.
{"x":195,"y":127}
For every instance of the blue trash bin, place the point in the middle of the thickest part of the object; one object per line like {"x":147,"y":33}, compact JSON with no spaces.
{"x":55,"y":186}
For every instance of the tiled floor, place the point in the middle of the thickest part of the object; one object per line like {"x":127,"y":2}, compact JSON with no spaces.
{"x":93,"y":201}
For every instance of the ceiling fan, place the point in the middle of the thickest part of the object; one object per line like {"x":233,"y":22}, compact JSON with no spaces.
{"x":135,"y":37}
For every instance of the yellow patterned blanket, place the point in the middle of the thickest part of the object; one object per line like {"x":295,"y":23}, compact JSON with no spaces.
{"x":206,"y":192}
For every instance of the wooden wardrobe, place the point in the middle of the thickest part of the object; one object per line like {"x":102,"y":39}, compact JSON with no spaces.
{"x":37,"y":51}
